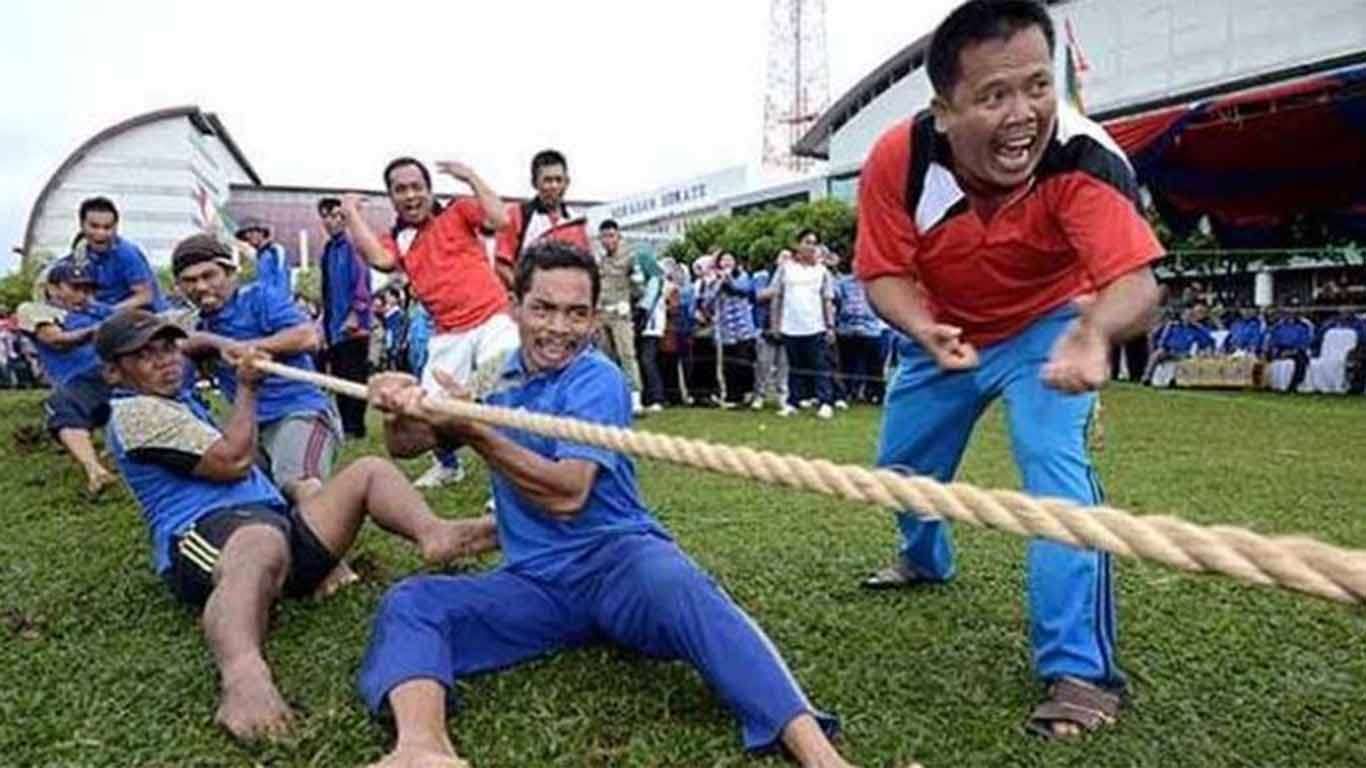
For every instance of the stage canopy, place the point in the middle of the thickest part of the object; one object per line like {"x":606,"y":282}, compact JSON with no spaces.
{"x":1253,"y":160}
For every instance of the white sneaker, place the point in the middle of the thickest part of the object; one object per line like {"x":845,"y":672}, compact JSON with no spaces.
{"x":655,"y":407}
{"x":757,"y":404}
{"x":786,"y":410}
{"x":636,"y":407}
{"x":826,"y":412}
{"x":439,"y":475}
{"x":841,"y":405}
{"x":806,"y":403}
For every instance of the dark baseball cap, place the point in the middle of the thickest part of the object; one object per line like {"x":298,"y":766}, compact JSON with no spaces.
{"x":130,"y":330}
{"x":67,"y":271}
{"x":197,"y":249}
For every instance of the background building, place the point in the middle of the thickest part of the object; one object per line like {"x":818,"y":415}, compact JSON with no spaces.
{"x":169,"y":172}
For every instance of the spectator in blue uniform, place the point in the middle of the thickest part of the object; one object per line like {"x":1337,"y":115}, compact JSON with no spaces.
{"x":1246,"y":334}
{"x":272,"y":265}
{"x":346,"y":312}
{"x":1180,"y":339}
{"x":1290,"y":337}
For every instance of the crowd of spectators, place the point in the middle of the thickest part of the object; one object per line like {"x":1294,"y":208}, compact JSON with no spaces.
{"x":1329,"y":332}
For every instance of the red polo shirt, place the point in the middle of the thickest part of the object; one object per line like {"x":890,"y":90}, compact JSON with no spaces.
{"x":1074,"y":230}
{"x":449,"y":269}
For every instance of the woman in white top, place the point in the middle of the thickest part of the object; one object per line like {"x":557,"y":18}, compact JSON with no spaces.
{"x":804,"y":315}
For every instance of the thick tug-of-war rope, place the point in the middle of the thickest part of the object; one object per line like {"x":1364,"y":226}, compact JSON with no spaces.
{"x":1291,"y":562}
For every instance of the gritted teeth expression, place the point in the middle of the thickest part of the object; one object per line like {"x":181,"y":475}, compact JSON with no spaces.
{"x":409,"y":193}
{"x":555,"y":317}
{"x":207,"y":285}
{"x":1001,"y":112}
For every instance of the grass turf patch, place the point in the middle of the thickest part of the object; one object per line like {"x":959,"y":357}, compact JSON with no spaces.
{"x":98,"y":666}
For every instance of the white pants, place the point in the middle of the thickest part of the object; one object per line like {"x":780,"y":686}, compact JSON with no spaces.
{"x":473,"y":357}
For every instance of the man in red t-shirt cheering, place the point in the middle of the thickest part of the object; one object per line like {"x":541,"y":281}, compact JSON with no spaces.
{"x":441,"y":251}
{"x":982,"y":223}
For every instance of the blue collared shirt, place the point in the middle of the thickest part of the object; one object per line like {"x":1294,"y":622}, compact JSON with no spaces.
{"x":1290,"y":334}
{"x":1180,"y":337}
{"x":157,"y":442}
{"x":255,"y":311}
{"x":589,"y":388}
{"x":272,"y":268}
{"x":1245,"y":335}
{"x":118,"y":270}
{"x":346,"y":287}
{"x":63,"y":365}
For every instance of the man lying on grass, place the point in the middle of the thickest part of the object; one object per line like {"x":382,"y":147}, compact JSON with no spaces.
{"x":223,"y":537}
{"x":584,"y":560}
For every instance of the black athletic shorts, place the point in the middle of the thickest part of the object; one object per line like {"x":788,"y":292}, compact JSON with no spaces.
{"x":81,"y":403}
{"x":195,"y":553}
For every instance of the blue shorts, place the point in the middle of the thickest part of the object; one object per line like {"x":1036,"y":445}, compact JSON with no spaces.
{"x":81,"y":403}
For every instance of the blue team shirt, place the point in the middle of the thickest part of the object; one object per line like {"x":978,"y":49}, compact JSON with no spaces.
{"x":157,"y":442}
{"x":590,"y":388}
{"x":255,"y":311}
{"x":118,"y":270}
{"x":1179,"y":337}
{"x":346,"y":288}
{"x":1245,"y":335}
{"x":63,"y":365}
{"x":271,"y":267}
{"x":1292,"y":334}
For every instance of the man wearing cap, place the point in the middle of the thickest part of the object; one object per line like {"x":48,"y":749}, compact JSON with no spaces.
{"x":300,"y":430}
{"x":62,"y":331}
{"x":224,"y":539}
{"x":272,"y":267}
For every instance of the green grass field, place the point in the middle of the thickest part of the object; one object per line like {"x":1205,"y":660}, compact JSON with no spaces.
{"x":98,"y":667}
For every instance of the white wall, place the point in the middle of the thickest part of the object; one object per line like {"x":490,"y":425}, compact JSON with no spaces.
{"x":152,"y":174}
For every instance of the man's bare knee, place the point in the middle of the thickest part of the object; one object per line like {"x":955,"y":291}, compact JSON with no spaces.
{"x":255,"y":549}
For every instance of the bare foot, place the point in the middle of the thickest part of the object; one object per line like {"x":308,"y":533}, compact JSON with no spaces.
{"x":454,"y":539}
{"x":97,"y":478}
{"x":251,"y":708}
{"x":341,"y":577}
{"x":420,"y":757}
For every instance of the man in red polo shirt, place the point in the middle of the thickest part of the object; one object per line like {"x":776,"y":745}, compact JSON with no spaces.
{"x":543,"y":217}
{"x":982,"y":224}
{"x":442,"y":253}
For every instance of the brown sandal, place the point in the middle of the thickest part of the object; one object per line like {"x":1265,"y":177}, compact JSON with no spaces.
{"x":1071,"y":700}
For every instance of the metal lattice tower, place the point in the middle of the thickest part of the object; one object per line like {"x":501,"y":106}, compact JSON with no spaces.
{"x":798,"y":88}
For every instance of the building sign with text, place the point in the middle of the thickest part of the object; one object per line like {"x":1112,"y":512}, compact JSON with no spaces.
{"x":673,"y":200}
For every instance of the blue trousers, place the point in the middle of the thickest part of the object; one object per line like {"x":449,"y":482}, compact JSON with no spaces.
{"x":638,"y":591}
{"x":928,"y":418}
